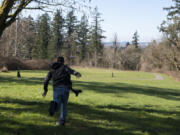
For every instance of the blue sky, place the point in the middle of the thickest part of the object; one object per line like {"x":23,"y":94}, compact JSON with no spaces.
{"x":124,"y":17}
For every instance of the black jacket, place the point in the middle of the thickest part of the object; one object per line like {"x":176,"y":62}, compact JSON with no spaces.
{"x":60,"y":74}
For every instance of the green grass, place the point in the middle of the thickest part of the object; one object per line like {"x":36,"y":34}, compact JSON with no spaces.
{"x":131,"y":103}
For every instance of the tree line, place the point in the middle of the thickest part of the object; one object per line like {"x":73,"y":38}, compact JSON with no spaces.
{"x":78,"y":41}
{"x":81,"y":42}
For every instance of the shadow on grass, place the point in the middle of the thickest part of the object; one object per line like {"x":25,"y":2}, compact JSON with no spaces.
{"x":85,"y":120}
{"x":23,"y":80}
{"x":88,"y":120}
{"x":100,"y":87}
{"x":145,"y":109}
{"x":10,"y":125}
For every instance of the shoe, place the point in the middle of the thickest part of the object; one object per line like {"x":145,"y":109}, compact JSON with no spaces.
{"x":57,"y":123}
{"x":60,"y":123}
{"x":52,"y":109}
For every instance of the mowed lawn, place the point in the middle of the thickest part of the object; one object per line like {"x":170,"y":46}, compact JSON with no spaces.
{"x":130,"y":103}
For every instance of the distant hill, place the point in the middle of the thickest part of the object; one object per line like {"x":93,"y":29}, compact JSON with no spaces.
{"x":123,"y":44}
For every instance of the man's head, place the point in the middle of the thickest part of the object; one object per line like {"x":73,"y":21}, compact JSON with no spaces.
{"x":60,"y":59}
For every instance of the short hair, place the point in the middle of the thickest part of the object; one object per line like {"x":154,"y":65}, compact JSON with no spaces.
{"x":60,"y":59}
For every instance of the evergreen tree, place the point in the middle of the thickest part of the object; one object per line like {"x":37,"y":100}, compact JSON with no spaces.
{"x":83,"y":37}
{"x":171,"y":27}
{"x":96,"y":38}
{"x":43,"y":35}
{"x":127,"y":44}
{"x":71,"y":24}
{"x":57,"y":38}
{"x":29,"y":37}
{"x":171,"y":30}
{"x":174,"y":10}
{"x":135,"y":39}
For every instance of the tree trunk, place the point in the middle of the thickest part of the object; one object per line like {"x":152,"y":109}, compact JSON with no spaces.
{"x":1,"y":31}
{"x":4,"y":11}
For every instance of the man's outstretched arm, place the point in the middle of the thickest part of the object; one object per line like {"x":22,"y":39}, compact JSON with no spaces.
{"x":46,"y":82}
{"x":73,"y":72}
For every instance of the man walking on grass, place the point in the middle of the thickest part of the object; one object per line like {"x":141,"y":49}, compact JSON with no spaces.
{"x":60,"y":75}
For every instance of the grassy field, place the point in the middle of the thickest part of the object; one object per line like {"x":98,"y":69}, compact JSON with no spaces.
{"x":131,"y":103}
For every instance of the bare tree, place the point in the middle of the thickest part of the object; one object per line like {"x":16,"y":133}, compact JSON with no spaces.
{"x":160,"y":56}
{"x":115,"y":47}
{"x":18,"y":39}
{"x":130,"y":58}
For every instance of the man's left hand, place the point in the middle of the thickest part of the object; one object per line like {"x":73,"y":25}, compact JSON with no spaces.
{"x":78,"y":75}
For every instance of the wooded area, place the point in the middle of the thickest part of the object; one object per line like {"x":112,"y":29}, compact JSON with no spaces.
{"x":80,"y":41}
